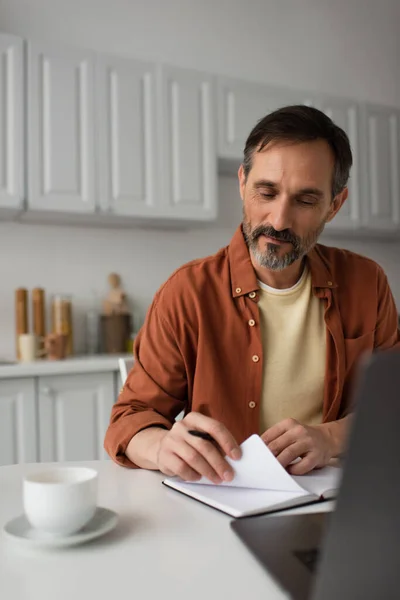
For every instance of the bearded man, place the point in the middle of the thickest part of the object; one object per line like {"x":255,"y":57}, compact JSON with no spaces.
{"x":265,"y":335}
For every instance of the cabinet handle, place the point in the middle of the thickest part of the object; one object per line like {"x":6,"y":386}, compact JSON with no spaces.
{"x":47,"y":391}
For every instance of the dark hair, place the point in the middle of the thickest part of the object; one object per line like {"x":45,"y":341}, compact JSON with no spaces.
{"x":302,"y":124}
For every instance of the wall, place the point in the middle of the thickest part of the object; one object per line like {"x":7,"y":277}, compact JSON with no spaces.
{"x":345,"y":47}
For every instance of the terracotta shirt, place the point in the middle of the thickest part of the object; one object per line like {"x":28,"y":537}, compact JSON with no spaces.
{"x":199,"y":349}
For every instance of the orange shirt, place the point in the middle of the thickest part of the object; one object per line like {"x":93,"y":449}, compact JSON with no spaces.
{"x":200,"y":348}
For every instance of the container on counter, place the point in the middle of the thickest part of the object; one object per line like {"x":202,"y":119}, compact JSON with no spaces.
{"x":39,"y":318}
{"x":61,"y":318}
{"x":21,"y":316}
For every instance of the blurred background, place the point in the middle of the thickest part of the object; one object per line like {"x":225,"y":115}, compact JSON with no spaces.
{"x":122,"y":125}
{"x":128,"y":108}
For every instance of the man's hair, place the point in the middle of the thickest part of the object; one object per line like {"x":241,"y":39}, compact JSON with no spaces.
{"x":302,"y":124}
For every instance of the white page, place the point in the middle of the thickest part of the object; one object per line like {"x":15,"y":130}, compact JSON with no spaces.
{"x":258,"y":469}
{"x":320,"y":480}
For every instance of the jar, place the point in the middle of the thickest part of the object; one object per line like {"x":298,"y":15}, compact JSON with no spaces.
{"x":61,"y":318}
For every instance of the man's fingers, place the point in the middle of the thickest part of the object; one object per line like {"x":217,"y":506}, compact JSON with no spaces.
{"x":213,"y":458}
{"x":305,"y":465}
{"x":176,"y":466}
{"x":277,"y":430}
{"x":219,"y":432}
{"x":283,"y":441}
{"x":289,"y":454}
{"x":201,"y":463}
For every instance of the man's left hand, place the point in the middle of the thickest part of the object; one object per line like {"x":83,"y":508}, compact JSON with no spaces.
{"x":289,"y":440}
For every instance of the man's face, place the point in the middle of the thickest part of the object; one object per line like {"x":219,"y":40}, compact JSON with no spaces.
{"x":287,"y":199}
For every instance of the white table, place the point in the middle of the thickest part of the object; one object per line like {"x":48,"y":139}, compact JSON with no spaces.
{"x":165,"y":546}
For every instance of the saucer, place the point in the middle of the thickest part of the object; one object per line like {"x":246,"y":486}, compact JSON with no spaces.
{"x":19,"y":529}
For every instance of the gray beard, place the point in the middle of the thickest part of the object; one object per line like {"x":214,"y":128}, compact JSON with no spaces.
{"x":269,"y":257}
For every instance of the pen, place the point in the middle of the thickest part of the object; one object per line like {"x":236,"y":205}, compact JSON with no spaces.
{"x":202,"y":434}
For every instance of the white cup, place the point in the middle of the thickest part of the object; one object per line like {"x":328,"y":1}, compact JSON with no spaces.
{"x":60,"y":501}
{"x":28,"y":347}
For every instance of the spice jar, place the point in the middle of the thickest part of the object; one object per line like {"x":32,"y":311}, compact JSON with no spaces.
{"x":61,"y":317}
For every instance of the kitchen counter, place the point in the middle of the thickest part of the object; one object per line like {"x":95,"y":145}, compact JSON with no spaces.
{"x":76,"y":364}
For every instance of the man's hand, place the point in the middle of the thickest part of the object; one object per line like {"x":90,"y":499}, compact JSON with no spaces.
{"x":289,"y":440}
{"x":190,"y":457}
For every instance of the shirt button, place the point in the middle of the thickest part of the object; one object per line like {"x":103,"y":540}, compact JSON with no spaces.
{"x":255,"y":358}
{"x":252,"y":322}
{"x":252,"y":295}
{"x":238,"y":290}
{"x":252,"y":404}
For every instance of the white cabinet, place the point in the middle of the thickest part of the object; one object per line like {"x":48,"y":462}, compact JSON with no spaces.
{"x":241,"y":104}
{"x":189,"y":158}
{"x":18,"y":421}
{"x":345,"y":114}
{"x":11,"y":124}
{"x":60,"y":129}
{"x":382,"y":167}
{"x":126,"y":134}
{"x":74,"y":412}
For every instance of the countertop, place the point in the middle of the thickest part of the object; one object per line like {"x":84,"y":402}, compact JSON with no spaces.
{"x":76,"y":364}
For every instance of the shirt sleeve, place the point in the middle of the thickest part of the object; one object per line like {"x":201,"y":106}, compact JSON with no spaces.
{"x":155,"y":391}
{"x":387,"y":334}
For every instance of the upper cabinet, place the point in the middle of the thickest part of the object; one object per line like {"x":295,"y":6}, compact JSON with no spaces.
{"x":110,"y":139}
{"x":241,"y":105}
{"x":126,"y":135}
{"x":11,"y":123}
{"x":189,"y":157}
{"x":345,"y":114}
{"x":381,"y":128}
{"x":60,"y":129}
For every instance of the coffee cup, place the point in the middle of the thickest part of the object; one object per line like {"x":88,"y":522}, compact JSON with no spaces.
{"x":60,"y":501}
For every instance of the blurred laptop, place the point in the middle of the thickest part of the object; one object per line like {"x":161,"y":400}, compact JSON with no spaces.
{"x":354,"y":552}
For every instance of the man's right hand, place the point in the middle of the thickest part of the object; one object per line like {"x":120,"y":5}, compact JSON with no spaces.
{"x":189,"y":457}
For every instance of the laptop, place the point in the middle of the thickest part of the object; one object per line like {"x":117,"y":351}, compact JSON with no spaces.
{"x":354,"y":552}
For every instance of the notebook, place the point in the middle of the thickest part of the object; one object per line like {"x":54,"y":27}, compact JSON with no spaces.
{"x":261,"y":484}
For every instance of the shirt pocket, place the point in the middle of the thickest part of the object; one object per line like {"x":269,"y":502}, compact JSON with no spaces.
{"x":355,"y":348}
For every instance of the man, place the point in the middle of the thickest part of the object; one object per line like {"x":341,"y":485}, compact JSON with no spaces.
{"x":264,"y":336}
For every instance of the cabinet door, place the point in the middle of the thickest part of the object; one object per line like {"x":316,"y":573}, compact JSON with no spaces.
{"x":60,"y":129}
{"x":18,"y":424}
{"x":189,"y":159}
{"x":11,"y":123}
{"x":74,"y":412}
{"x":126,"y":115}
{"x":382,"y":167}
{"x":241,"y":104}
{"x":346,"y":115}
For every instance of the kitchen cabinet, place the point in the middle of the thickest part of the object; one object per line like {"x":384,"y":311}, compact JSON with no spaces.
{"x":74,"y":412}
{"x":381,"y":127}
{"x":345,"y":113}
{"x":11,"y":125}
{"x":125,"y":95}
{"x":241,"y":104}
{"x":61,"y":174}
{"x":188,"y":145}
{"x":18,"y":421}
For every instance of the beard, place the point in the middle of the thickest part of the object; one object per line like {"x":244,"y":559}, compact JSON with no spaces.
{"x":270,"y":257}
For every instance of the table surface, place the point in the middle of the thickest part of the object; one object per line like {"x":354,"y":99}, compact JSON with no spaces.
{"x":165,"y":545}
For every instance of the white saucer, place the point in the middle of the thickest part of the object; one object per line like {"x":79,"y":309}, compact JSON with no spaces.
{"x":19,"y":529}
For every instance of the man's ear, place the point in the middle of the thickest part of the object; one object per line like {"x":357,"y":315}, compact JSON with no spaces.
{"x":337,"y":204}
{"x":242,"y":181}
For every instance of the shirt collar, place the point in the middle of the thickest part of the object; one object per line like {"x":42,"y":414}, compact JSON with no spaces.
{"x":243,"y":276}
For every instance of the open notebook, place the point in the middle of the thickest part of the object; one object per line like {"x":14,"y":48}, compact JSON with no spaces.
{"x":261,"y":484}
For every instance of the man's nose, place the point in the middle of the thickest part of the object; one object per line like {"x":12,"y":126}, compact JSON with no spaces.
{"x":280,"y":216}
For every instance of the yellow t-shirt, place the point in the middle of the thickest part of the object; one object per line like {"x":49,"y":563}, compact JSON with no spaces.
{"x":294,"y":347}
